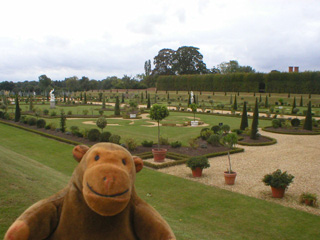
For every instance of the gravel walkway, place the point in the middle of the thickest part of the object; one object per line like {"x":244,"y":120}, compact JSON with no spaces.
{"x":299,"y":155}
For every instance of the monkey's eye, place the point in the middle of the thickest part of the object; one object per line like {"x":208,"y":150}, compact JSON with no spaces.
{"x":97,"y":157}
{"x":124,"y":162}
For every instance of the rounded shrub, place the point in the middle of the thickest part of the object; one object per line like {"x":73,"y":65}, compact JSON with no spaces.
{"x":216,"y":129}
{"x":94,"y":135}
{"x":237,"y":131}
{"x":225,"y":128}
{"x":214,"y":140}
{"x":105,"y":137}
{"x":276,"y":123}
{"x":115,"y":139}
{"x":205,"y":133}
{"x":176,"y":144}
{"x":146,"y":143}
{"x":45,"y":112}
{"x":41,"y":123}
{"x":295,"y":122}
{"x":74,"y":129}
{"x":32,"y":121}
{"x":130,"y":144}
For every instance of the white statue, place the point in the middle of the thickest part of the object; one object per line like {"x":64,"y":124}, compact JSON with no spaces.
{"x":52,"y":98}
{"x":191,"y":97}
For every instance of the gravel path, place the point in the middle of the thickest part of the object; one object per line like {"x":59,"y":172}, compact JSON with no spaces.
{"x":299,"y":155}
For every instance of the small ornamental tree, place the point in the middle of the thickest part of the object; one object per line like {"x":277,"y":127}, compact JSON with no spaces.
{"x":294,"y":105}
{"x":101,"y":123}
{"x":255,"y":121}
{"x":63,"y":120}
{"x":158,"y":113}
{"x":230,"y":140}
{"x":194,"y":107}
{"x":308,"y":120}
{"x":244,"y":118}
{"x":235,"y":104}
{"x":149,"y":102}
{"x":18,"y":111}
{"x":117,"y":107}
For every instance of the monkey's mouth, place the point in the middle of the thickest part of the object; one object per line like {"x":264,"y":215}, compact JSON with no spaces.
{"x":108,"y":196}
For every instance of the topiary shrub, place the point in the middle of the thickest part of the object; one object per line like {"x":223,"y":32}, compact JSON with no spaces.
{"x":225,"y":128}
{"x":23,"y":119}
{"x":176,"y":144}
{"x":94,"y":135}
{"x":199,"y":161}
{"x":146,"y":143}
{"x":276,"y":123}
{"x":53,"y":113}
{"x":1,"y":114}
{"x":32,"y":121}
{"x":41,"y":123}
{"x":78,"y":134}
{"x":131,"y":144}
{"x":115,"y":139}
{"x":163,"y":141}
{"x":45,"y":111}
{"x":237,"y":131}
{"x":295,"y":122}
{"x":214,"y":140}
{"x":205,"y":133}
{"x":74,"y":129}
{"x":105,"y":137}
{"x":216,"y":129}
{"x":47,"y":127}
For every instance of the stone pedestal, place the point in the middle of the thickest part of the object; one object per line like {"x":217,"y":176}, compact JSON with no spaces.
{"x":52,"y":104}
{"x":194,"y":123}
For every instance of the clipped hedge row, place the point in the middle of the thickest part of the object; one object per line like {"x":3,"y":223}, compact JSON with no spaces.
{"x":291,"y":133}
{"x":272,"y":141}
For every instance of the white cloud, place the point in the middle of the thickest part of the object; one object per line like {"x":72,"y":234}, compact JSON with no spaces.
{"x":100,"y":38}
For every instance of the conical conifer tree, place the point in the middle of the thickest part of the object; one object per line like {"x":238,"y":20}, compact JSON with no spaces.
{"x":255,"y":122}
{"x":308,"y":120}
{"x":117,"y":107}
{"x":266,"y":104}
{"x":244,"y":118}
{"x":235,"y":104}
{"x":149,"y":102}
{"x":294,"y":104}
{"x":18,"y":111}
{"x":301,"y":101}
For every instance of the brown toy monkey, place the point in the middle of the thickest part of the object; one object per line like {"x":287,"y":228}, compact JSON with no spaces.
{"x":100,"y":202}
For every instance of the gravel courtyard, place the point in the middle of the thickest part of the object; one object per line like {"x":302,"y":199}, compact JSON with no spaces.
{"x":299,"y":155}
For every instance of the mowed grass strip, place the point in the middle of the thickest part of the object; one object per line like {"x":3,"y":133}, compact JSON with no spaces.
{"x":193,"y":210}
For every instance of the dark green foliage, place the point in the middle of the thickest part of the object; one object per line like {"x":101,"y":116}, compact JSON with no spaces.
{"x":237,"y":131}
{"x":63,"y":120}
{"x":131,"y":144}
{"x":85,"y":98}
{"x":205,"y":133}
{"x":158,"y":112}
{"x":215,"y":129}
{"x":214,"y":140}
{"x":225,"y":128}
{"x":1,"y":114}
{"x":308,"y":120}
{"x":105,"y":137}
{"x":244,"y":118}
{"x":32,"y":121}
{"x":74,"y":129}
{"x":176,"y":144}
{"x":301,"y":101}
{"x":122,"y":98}
{"x":94,"y":135}
{"x":278,"y":179}
{"x":255,"y":122}
{"x":294,"y":105}
{"x":266,"y":104}
{"x":235,"y":104}
{"x":146,"y":143}
{"x":195,"y":162}
{"x":41,"y":123}
{"x":104,"y":103}
{"x":18,"y":110}
{"x":295,"y":122}
{"x":276,"y":123}
{"x":117,"y":107}
{"x":149,"y":102}
{"x":115,"y":139}
{"x":101,"y":123}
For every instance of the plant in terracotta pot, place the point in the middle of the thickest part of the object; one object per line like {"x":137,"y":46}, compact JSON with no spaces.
{"x":309,"y":199}
{"x":278,"y":181}
{"x":197,"y":164}
{"x":158,"y":113}
{"x":230,"y":140}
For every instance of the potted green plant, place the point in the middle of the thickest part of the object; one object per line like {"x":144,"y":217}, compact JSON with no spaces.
{"x":197,"y":164}
{"x":159,"y":112}
{"x":309,"y":199}
{"x":278,"y":181}
{"x":230,"y":140}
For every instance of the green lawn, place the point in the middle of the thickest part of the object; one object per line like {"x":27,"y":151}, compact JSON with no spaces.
{"x":33,"y":167}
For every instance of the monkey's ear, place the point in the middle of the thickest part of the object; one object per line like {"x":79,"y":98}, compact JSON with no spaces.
{"x":138,"y":163}
{"x":79,"y":151}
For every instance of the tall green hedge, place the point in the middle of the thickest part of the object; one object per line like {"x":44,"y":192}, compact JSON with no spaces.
{"x":304,"y":82}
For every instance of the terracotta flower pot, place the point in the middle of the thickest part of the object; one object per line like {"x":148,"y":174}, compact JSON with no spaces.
{"x":230,"y":178}
{"x":159,"y":154}
{"x":277,"y":192}
{"x":197,"y":172}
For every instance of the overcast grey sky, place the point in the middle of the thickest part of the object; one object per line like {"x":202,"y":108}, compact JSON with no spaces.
{"x":99,"y":38}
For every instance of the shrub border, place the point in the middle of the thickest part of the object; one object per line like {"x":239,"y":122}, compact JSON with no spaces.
{"x":290,"y":133}
{"x":273,"y":141}
{"x":180,"y":158}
